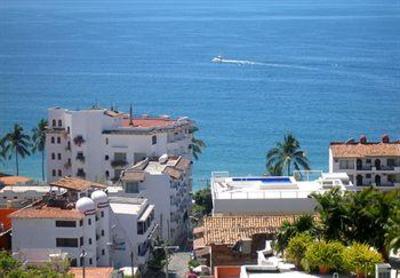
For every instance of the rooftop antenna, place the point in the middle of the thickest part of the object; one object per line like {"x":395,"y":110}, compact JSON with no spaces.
{"x":130,"y":115}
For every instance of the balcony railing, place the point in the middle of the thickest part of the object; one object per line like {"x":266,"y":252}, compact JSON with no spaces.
{"x":118,"y":163}
{"x":78,"y":140}
{"x":80,"y":157}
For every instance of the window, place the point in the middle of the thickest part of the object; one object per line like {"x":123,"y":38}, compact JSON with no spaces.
{"x":73,"y":263}
{"x":58,"y":140}
{"x":368,"y":176}
{"x":90,"y":261}
{"x":53,"y":122}
{"x":59,"y":156}
{"x":391,"y":162}
{"x":107,"y":174}
{"x":132,"y":187}
{"x":103,"y":252}
{"x":368,"y":161}
{"x":59,"y":173}
{"x":106,"y":141}
{"x":106,"y":157}
{"x":67,"y":224}
{"x":102,"y":232}
{"x":154,"y":139}
{"x":81,"y":241}
{"x":82,"y":260}
{"x":66,"y":242}
{"x":68,"y":130}
{"x":90,"y":241}
{"x":53,"y":172}
{"x":346,"y":164}
{"x":140,"y":228}
{"x":52,"y":140}
{"x":89,"y":221}
{"x":81,"y":222}
{"x":102,"y":214}
{"x":59,"y":123}
{"x":120,"y":156}
{"x":53,"y":156}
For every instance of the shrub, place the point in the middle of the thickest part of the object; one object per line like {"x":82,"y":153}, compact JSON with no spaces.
{"x":297,"y":247}
{"x":193,"y":263}
{"x":360,"y":258}
{"x":325,"y":256}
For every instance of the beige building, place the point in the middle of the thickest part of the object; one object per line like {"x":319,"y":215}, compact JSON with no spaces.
{"x":367,"y":163}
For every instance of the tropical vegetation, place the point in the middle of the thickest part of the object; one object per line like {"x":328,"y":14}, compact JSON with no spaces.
{"x":285,"y":156}
{"x":360,"y":259}
{"x":297,"y":247}
{"x":12,"y":268}
{"x":39,"y":140}
{"x":196,"y":145}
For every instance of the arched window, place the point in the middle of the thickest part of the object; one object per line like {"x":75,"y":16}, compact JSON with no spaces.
{"x":106,"y":157}
{"x":54,"y":122}
{"x":59,"y":123}
{"x":58,"y":140}
{"x":378,"y":164}
{"x":107,"y":174}
{"x":154,"y":139}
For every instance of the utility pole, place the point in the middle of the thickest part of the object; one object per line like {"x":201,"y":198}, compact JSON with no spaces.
{"x":132,"y":264}
{"x":83,"y":255}
{"x":166,"y":248}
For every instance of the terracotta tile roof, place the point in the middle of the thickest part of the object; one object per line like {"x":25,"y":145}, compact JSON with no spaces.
{"x":172,"y":172}
{"x":92,"y":272}
{"x":13,"y":180}
{"x":355,"y":150}
{"x":228,"y":229}
{"x":149,"y":122}
{"x":183,"y":164}
{"x":47,"y":213}
{"x":133,"y":175}
{"x":76,"y":184}
{"x":5,"y":221}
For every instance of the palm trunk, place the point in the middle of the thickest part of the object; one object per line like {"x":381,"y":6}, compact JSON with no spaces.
{"x":43,"y":165}
{"x":16,"y":162}
{"x":288,"y":169}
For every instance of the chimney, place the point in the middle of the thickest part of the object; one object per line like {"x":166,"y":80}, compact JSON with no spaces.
{"x":130,"y":116}
{"x":385,"y":139}
{"x":363,"y":139}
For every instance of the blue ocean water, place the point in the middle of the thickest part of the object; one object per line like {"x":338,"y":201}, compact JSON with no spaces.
{"x":324,"y":70}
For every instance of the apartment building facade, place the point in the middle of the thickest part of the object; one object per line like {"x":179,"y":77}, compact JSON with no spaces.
{"x":97,"y":144}
{"x":367,"y":163}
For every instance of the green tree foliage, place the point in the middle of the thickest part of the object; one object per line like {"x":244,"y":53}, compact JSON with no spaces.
{"x":324,"y":255}
{"x":285,"y":155}
{"x":39,"y":140}
{"x":203,"y":202}
{"x":16,"y":142}
{"x":361,"y":259}
{"x":368,"y":216}
{"x":297,"y":247}
{"x":303,"y":224}
{"x":12,"y":268}
{"x":197,"y":145}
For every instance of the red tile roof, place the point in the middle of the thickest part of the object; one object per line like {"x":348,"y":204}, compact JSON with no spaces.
{"x":358,"y":150}
{"x":46,"y":212}
{"x":149,"y":122}
{"x":4,"y":219}
{"x":13,"y":180}
{"x":92,"y":272}
{"x":76,"y":184}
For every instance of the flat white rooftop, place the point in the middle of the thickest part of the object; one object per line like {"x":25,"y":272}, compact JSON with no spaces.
{"x":268,"y":187}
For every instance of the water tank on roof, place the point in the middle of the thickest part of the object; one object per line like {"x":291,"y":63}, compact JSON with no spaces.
{"x":85,"y":205}
{"x":164,"y":116}
{"x":385,"y":139}
{"x":363,"y":139}
{"x":99,"y":197}
{"x":163,"y":159}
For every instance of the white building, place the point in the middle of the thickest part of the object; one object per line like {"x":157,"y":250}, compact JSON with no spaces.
{"x":133,"y":228}
{"x":96,"y":144}
{"x":77,"y":218}
{"x":269,"y":195}
{"x":167,"y":183}
{"x":367,"y":163}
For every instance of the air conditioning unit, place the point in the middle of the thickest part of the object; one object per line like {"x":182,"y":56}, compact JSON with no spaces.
{"x":382,"y":270}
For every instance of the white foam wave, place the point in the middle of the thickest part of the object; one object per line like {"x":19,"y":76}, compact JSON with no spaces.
{"x":277,"y":65}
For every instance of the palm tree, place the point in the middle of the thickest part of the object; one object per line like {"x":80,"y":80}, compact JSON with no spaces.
{"x":3,"y":151}
{"x":197,"y":145}
{"x":17,"y":142}
{"x":287,"y":154}
{"x":39,"y":140}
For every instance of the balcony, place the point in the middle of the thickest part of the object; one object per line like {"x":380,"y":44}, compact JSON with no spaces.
{"x":118,"y":163}
{"x":81,"y":174}
{"x":78,"y":140}
{"x":80,"y":157}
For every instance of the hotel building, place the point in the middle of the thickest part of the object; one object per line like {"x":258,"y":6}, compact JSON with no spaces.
{"x":96,"y":144}
{"x":166,"y":182}
{"x":367,"y":163}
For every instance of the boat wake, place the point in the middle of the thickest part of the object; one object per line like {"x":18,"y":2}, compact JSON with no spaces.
{"x":220,"y":60}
